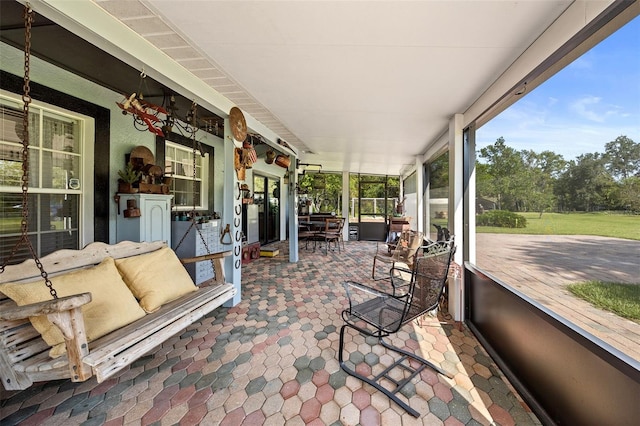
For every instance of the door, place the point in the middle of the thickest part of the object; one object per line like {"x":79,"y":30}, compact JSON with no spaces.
{"x":374,"y":208}
{"x":266,"y":195}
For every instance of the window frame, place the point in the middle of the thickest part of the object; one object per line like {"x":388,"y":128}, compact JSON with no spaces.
{"x":86,"y":134}
{"x":207,"y":177}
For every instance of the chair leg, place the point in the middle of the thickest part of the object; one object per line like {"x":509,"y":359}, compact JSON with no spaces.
{"x":373,"y":271}
{"x":421,"y":360}
{"x":375,"y":381}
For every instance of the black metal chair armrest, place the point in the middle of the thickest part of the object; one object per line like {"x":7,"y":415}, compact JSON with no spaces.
{"x":358,"y":293}
{"x":400,"y":276}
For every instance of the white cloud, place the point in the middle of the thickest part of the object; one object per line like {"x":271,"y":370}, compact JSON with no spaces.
{"x":583,"y":62}
{"x":587,"y":107}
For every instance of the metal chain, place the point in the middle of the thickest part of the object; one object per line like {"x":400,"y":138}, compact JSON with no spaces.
{"x":26,"y":100}
{"x":193,"y":123}
{"x":194,"y":153}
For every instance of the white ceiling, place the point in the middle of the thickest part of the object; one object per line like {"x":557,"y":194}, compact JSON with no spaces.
{"x":364,"y":86}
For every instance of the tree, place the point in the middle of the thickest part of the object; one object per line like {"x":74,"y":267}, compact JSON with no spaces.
{"x":325,"y":189}
{"x":630,"y":193}
{"x":505,"y":168}
{"x":586,"y":185}
{"x":622,"y":157}
{"x":542,"y":170}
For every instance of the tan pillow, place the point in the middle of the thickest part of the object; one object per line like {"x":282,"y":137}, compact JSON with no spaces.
{"x":112,"y":305}
{"x":413,"y":248}
{"x":155,"y":278}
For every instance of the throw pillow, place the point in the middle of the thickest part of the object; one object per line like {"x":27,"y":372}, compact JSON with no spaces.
{"x":155,"y":278}
{"x":112,"y":305}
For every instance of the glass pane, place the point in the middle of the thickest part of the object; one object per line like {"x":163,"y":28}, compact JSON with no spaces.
{"x":10,"y":124}
{"x":438,"y":194}
{"x":169,"y":157}
{"x":60,"y":133}
{"x":11,"y":204}
{"x":273,"y":216}
{"x":372,"y":199}
{"x":10,"y":164}
{"x":57,"y":222}
{"x":183,"y":192}
{"x":58,"y":168}
{"x":52,"y":241}
{"x":8,"y":244}
{"x":321,"y":193}
{"x":179,"y":164}
{"x":62,"y":209}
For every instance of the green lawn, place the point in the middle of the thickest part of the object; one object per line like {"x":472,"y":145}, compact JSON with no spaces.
{"x":602,"y":224}
{"x":621,"y":299}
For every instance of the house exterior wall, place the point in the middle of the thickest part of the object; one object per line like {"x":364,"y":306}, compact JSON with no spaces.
{"x":123,"y":137}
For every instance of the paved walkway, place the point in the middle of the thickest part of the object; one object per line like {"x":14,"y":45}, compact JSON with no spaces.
{"x":541,"y":266}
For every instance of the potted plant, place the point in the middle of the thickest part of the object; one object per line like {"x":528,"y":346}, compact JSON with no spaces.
{"x":128,"y":177}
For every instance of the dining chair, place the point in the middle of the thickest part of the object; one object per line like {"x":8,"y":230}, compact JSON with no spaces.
{"x":305,"y":232}
{"x":332,"y":233}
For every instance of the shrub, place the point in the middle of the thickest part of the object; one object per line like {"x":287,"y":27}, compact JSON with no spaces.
{"x":502,"y":219}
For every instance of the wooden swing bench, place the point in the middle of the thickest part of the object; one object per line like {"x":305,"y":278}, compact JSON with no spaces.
{"x":24,"y":354}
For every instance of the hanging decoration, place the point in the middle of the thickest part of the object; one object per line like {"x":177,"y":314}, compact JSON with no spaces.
{"x":238,"y":124}
{"x":271,"y":156}
{"x":283,"y":161}
{"x":163,"y":119}
{"x":238,"y":164}
{"x":249,"y":155}
{"x":146,"y":116}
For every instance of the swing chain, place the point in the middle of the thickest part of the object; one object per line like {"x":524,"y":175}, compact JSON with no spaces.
{"x":26,"y":99}
{"x":194,"y":122}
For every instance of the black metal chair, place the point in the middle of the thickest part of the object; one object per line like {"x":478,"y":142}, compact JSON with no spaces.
{"x":372,"y":312}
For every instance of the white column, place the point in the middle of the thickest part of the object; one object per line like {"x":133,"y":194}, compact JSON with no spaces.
{"x":292,"y":197}
{"x":345,"y":205}
{"x":456,"y":212}
{"x":232,"y":215}
{"x":470,"y":199}
{"x":420,"y":218}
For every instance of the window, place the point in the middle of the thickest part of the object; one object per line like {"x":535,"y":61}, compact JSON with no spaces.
{"x":438,"y":199}
{"x":187,"y":186}
{"x":321,"y":193}
{"x":557,"y":181}
{"x":56,"y":180}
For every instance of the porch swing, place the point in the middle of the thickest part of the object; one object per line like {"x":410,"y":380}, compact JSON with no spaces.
{"x":52,"y":337}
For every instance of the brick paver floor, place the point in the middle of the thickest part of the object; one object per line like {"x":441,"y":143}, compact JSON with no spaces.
{"x":272,"y":360}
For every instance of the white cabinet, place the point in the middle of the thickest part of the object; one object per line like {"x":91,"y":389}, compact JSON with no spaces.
{"x":154,"y":222}
{"x":192,"y":246}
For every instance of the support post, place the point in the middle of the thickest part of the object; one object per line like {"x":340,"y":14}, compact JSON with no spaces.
{"x":292,"y":206}
{"x":456,"y":211}
{"x":232,"y":215}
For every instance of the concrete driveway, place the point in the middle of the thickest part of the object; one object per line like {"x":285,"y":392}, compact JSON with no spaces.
{"x":541,"y":266}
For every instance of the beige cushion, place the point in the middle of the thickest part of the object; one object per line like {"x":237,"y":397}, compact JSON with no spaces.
{"x":414,"y":245}
{"x":155,"y":278}
{"x":112,"y":305}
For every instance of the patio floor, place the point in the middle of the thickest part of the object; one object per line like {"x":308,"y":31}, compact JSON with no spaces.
{"x":272,"y":360}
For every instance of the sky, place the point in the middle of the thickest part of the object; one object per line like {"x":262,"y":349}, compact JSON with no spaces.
{"x":590,"y":102}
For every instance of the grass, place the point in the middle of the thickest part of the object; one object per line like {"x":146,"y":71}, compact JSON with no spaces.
{"x":603,"y":224}
{"x":621,"y":299}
